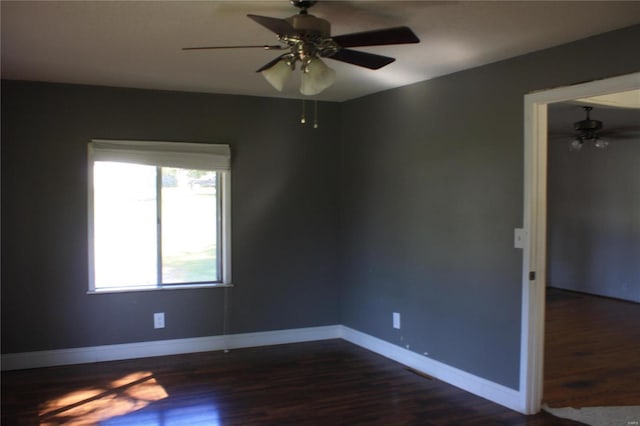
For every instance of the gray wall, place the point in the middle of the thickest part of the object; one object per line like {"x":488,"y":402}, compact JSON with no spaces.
{"x":284,"y":215}
{"x":594,"y":209}
{"x":432,"y":178}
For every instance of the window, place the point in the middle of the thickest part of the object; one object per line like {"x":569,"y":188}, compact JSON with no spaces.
{"x":158,"y":215}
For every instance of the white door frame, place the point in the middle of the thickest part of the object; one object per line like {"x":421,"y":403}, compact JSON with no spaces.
{"x":535,"y":226}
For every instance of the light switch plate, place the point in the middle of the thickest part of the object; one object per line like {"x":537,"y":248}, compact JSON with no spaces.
{"x":519,"y":238}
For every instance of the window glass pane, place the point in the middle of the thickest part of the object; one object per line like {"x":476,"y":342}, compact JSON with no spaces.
{"x":189,"y":226}
{"x":125,"y":225}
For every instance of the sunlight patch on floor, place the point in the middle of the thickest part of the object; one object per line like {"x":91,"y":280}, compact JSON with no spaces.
{"x":93,"y":405}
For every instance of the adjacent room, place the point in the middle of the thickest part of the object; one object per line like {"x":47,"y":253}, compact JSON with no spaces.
{"x":592,"y":213}
{"x":274,"y":212}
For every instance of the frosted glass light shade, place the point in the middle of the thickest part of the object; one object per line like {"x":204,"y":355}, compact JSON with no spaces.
{"x":601,"y":144}
{"x":317,"y":77}
{"x":278,"y":74}
{"x":575,"y":145}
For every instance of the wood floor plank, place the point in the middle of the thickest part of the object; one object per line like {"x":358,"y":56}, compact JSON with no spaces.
{"x":318,"y":383}
{"x":592,"y":351}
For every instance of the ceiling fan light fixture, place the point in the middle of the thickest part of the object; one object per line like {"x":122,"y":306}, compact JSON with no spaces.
{"x":316,"y":77}
{"x":601,"y":143}
{"x":576,"y":144}
{"x":278,"y":74}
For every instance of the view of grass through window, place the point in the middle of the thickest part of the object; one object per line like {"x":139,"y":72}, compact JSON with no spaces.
{"x":147,"y":234}
{"x":189,"y":226}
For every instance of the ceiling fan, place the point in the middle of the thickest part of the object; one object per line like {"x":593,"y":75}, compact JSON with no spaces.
{"x":588,"y":130}
{"x":592,"y":131}
{"x":307,"y":38}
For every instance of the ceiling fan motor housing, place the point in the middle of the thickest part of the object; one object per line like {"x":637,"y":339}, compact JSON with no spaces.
{"x":588,"y":129}
{"x":310,"y":25}
{"x":312,"y":38}
{"x":588,"y":125}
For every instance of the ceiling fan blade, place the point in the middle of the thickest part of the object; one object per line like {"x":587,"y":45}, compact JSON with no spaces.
{"x":363,"y":59}
{"x":279,"y":26}
{"x":620,"y":129}
{"x":270,"y":64}
{"x":622,"y":136}
{"x":262,"y":46}
{"x":396,"y":35}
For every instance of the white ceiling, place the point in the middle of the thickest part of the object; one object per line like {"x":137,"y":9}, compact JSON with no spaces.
{"x":626,"y":99}
{"x":138,"y":43}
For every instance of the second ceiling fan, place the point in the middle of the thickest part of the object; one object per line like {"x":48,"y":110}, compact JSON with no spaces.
{"x":307,"y":38}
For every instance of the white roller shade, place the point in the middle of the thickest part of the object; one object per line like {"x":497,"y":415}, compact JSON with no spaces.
{"x":199,"y":156}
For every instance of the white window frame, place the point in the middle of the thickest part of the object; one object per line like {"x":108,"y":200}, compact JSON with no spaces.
{"x":202,"y":156}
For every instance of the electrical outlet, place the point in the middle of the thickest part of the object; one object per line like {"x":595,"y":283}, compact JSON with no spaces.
{"x":396,"y":320}
{"x":158,"y":320}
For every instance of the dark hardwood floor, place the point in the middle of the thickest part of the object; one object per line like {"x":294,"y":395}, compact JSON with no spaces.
{"x":592,"y":351}
{"x":319,"y":383}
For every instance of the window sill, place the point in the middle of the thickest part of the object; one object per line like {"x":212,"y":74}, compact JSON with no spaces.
{"x":155,"y":288}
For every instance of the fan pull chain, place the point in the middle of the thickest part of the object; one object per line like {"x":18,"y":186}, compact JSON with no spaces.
{"x":303,"y":115}
{"x":315,"y":114}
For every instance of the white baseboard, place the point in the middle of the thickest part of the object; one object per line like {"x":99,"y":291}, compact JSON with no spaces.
{"x":24,"y":360}
{"x":484,"y":388}
{"x":494,"y":392}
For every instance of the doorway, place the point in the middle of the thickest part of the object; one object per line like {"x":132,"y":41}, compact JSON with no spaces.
{"x":535,"y":227}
